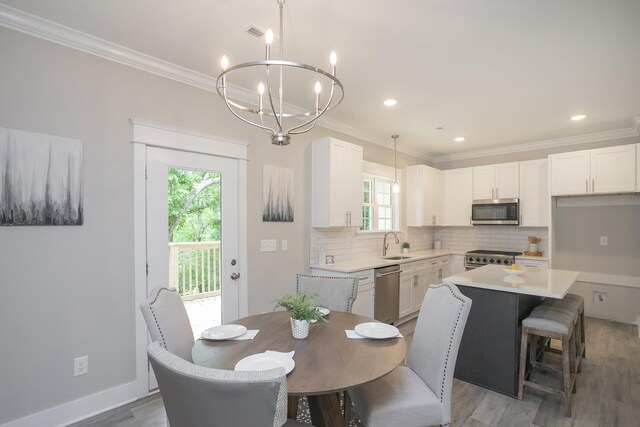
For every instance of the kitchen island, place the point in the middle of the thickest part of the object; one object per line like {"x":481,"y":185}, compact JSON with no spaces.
{"x":490,"y":347}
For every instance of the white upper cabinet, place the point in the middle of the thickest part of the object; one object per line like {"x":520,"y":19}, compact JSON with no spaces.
{"x":534,"y":193}
{"x":424,"y":196}
{"x":496,"y":181}
{"x":336,"y":184}
{"x":613,"y":169}
{"x":599,"y":171}
{"x":457,"y":196}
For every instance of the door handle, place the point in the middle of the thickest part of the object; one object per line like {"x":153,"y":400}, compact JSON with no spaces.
{"x":235,"y":276}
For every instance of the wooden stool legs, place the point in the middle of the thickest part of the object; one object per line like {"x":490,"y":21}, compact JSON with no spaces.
{"x":569,"y":364}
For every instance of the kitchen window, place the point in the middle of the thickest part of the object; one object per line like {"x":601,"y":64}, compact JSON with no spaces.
{"x":379,"y":204}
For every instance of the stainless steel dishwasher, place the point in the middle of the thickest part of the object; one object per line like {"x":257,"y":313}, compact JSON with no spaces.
{"x":387,"y":298}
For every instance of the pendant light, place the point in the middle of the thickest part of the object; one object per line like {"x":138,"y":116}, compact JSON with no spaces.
{"x":396,"y":187}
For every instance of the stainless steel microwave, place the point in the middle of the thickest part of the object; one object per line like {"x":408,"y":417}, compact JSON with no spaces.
{"x":495,"y":212}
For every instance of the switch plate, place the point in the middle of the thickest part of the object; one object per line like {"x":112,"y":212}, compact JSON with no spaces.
{"x":284,"y":245}
{"x":604,"y":240}
{"x":268,"y":245}
{"x":600,"y":297}
{"x":80,"y":366}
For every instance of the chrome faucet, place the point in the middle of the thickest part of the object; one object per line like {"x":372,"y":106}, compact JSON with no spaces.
{"x":385,"y":245}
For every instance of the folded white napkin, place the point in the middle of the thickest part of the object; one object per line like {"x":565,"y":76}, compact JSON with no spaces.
{"x":351,"y":334}
{"x":287,"y":354}
{"x":249,"y":335}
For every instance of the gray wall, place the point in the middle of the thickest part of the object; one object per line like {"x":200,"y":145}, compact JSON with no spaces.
{"x":69,"y":291}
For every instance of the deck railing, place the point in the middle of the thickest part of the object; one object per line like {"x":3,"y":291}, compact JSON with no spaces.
{"x":194,"y":268}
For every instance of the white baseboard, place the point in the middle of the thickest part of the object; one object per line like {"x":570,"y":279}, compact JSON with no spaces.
{"x":79,"y":409}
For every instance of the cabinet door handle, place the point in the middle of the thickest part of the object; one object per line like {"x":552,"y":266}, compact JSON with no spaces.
{"x":586,"y":185}
{"x":520,"y":219}
{"x":346,"y":217}
{"x":593,"y":185}
{"x":433,"y":220}
{"x":363,"y":277}
{"x":470,"y":220}
{"x":496,"y":193}
{"x":349,"y":217}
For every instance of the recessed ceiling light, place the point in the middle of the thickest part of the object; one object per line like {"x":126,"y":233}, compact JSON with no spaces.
{"x":459,"y":139}
{"x":390,"y":102}
{"x":578,"y":117}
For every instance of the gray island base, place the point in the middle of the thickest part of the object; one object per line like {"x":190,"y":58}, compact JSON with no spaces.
{"x":490,"y":347}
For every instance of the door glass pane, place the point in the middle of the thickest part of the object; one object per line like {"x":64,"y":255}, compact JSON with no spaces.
{"x":194,"y":244}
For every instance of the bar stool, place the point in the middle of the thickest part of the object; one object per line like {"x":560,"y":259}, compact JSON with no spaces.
{"x":581,"y":346}
{"x":553,"y":319}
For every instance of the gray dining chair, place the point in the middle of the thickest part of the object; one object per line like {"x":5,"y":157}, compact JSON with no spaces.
{"x":198,"y":396}
{"x":420,"y":394}
{"x":168,"y":322}
{"x":334,"y":293}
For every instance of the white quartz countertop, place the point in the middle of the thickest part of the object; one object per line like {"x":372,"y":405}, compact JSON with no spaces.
{"x":375,"y":262}
{"x":541,"y":282}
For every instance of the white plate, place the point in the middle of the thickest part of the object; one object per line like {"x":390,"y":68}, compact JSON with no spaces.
{"x":223,"y":332}
{"x":322,"y":310}
{"x":376,"y":330}
{"x":513,"y":272}
{"x":264,"y":361}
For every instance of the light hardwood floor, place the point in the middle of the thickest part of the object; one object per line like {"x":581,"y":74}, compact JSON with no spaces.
{"x":608,"y":391}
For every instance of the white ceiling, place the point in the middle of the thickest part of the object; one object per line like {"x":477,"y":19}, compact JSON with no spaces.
{"x":498,"y":72}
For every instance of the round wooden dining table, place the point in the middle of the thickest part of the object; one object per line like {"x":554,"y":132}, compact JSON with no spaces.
{"x":326,"y":361}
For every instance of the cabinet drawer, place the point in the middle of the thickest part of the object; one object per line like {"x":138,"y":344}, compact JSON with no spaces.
{"x":364,"y":277}
{"x":532,"y":263}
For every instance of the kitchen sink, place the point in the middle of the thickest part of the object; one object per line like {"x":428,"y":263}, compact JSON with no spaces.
{"x":397,"y":257}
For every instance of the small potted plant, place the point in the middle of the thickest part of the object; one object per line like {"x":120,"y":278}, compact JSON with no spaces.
{"x":405,"y":247}
{"x":302,"y":311}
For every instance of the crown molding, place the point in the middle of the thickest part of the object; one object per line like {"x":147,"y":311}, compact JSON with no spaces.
{"x":36,"y":26}
{"x":545,"y":144}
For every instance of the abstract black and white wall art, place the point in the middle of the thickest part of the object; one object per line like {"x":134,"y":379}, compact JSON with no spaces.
{"x":40,"y":179}
{"x":277,"y":194}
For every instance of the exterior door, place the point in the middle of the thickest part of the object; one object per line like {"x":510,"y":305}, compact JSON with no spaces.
{"x":196,"y":255}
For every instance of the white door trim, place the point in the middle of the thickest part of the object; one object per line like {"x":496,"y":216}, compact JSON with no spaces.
{"x":152,"y":135}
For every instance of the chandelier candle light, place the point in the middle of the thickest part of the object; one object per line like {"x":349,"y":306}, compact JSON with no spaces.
{"x":277,"y":115}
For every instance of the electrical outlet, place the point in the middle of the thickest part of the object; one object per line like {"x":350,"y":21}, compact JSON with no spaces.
{"x":268,"y":245}
{"x":600,"y":297}
{"x":80,"y":366}
{"x":604,"y":240}
{"x":284,"y":245}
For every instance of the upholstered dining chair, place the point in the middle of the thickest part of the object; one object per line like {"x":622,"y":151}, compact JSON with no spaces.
{"x":334,"y":293}
{"x":168,"y":322}
{"x":198,"y":396}
{"x":420,"y":394}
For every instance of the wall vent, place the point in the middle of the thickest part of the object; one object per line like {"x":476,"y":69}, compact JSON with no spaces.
{"x":254,"y":31}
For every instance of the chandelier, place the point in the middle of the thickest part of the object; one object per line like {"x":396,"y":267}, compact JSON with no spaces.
{"x":270,"y":114}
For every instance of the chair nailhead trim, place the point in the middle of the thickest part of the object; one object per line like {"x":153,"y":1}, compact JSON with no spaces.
{"x":155,"y":318}
{"x":455,"y":328}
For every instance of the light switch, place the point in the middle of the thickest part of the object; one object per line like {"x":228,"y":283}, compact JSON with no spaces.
{"x":604,"y":240}
{"x":284,"y":245}
{"x":268,"y":245}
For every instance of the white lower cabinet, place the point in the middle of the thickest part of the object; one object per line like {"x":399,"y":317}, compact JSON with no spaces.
{"x":415,"y":280}
{"x":456,"y":265}
{"x":365,"y":302}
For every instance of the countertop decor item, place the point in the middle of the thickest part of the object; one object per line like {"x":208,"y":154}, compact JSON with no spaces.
{"x":406,"y":247}
{"x":302,"y":311}
{"x":271,"y":117}
{"x":533,"y":245}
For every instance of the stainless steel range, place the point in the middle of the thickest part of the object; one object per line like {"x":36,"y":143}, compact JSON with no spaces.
{"x":480,"y":257}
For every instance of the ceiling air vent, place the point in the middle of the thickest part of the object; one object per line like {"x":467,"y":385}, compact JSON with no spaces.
{"x":254,"y":31}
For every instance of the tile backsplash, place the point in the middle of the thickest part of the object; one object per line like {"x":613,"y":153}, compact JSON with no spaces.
{"x":501,"y":238}
{"x":349,"y":244}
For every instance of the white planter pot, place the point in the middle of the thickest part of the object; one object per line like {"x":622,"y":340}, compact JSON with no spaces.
{"x":300,"y":329}
{"x":405,"y":250}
